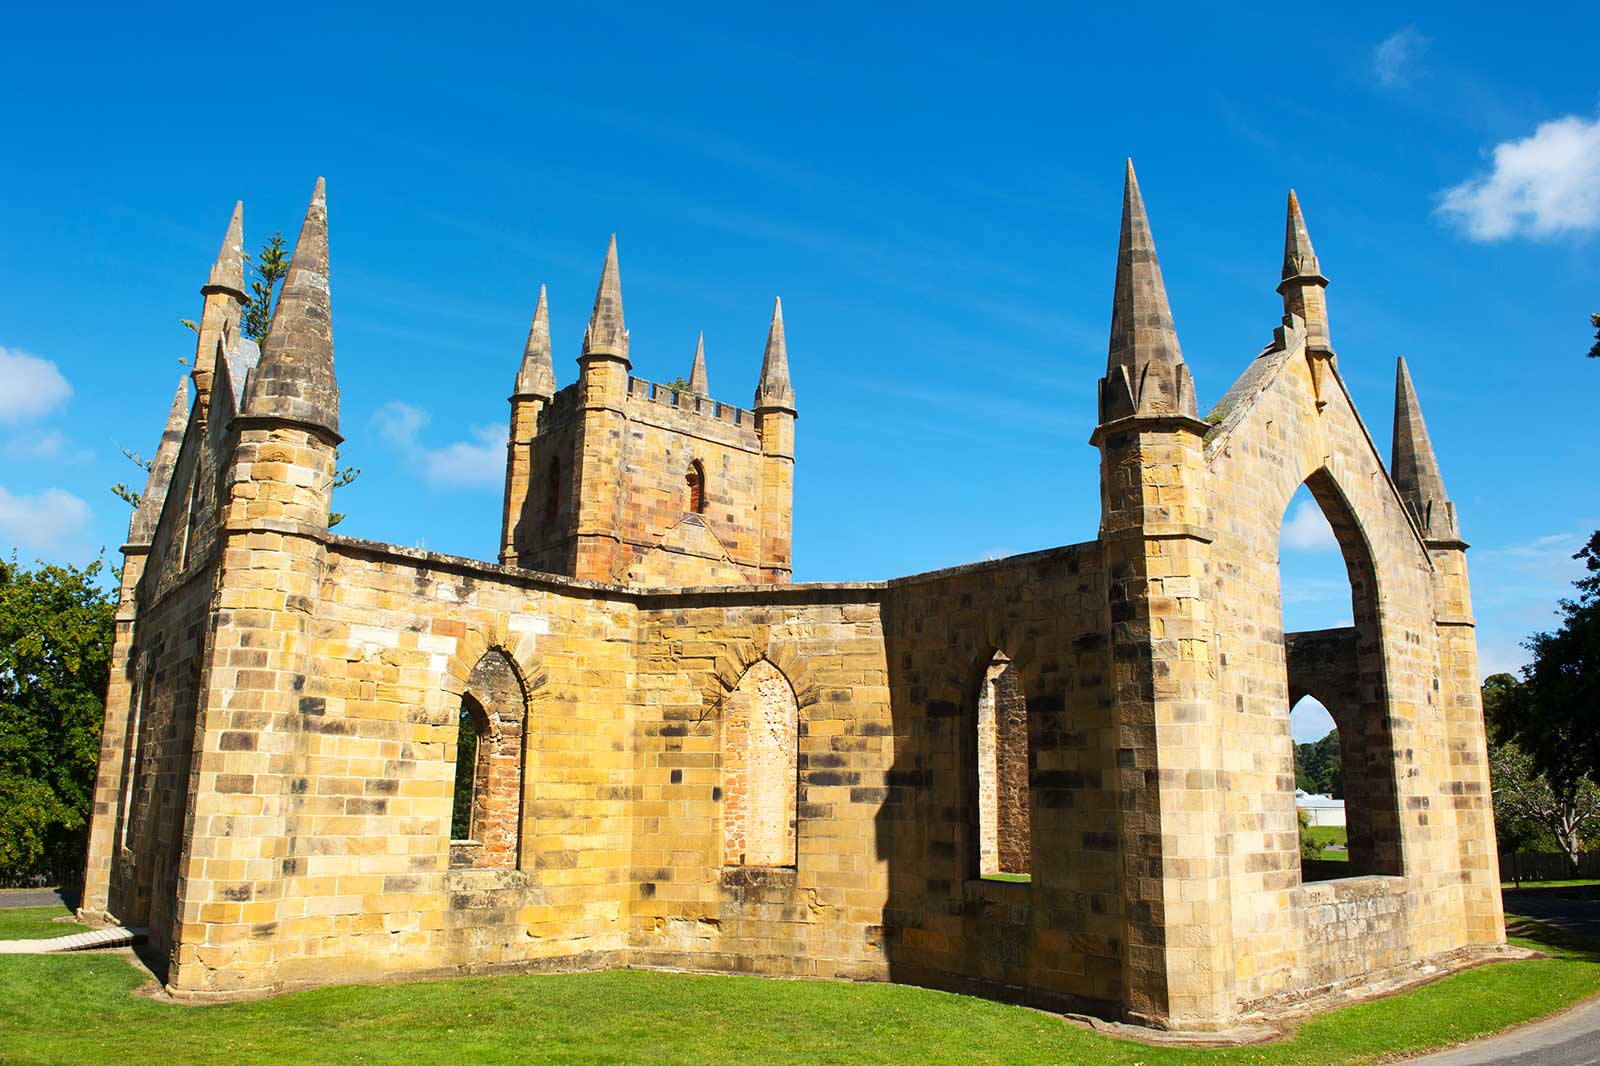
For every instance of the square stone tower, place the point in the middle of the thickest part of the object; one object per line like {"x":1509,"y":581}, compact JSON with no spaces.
{"x":615,"y":478}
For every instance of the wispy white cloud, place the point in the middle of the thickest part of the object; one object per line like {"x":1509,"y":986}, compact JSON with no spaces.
{"x":1307,"y":530}
{"x":46,"y":520}
{"x":1394,"y":60}
{"x":476,"y":463}
{"x":1540,"y":186}
{"x":29,"y":385}
{"x":53,"y":446}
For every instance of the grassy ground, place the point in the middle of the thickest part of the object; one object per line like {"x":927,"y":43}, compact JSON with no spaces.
{"x":35,"y":923}
{"x":1328,"y":835}
{"x":1580,"y":883}
{"x":78,"y":1008}
{"x":1020,"y":879}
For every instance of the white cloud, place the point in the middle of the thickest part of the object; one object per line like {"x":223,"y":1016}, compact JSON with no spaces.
{"x":476,"y":463}
{"x":1543,"y":185}
{"x":29,"y":386}
{"x":1307,"y":530}
{"x":52,"y":445}
{"x":1394,"y":59}
{"x":43,"y":521}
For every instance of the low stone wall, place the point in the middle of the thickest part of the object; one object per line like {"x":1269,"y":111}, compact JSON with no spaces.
{"x":1351,"y":928}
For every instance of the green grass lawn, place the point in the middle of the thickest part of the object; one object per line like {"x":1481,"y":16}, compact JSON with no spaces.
{"x":79,"y":1008}
{"x":1579,"y":883}
{"x":1328,"y":835}
{"x":36,"y":923}
{"x":1018,"y":879}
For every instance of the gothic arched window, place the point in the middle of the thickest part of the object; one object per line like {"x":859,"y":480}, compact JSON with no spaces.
{"x":696,"y":477}
{"x":760,"y":774}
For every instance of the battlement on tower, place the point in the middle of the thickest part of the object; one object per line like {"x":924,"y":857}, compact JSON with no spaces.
{"x":690,"y":403}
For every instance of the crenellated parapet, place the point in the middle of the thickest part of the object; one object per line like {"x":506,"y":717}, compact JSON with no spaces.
{"x":619,"y":478}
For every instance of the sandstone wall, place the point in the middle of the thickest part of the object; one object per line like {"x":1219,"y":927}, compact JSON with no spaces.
{"x":1273,"y":437}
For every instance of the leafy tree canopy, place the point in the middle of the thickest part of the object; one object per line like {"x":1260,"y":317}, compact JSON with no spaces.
{"x":1317,"y":767}
{"x":55,"y":652}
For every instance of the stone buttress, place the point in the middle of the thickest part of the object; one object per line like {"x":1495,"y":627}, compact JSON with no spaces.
{"x":1156,"y":537}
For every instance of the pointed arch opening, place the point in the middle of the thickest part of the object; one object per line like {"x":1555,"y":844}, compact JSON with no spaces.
{"x":760,"y":770}
{"x":1342,"y":752}
{"x":486,"y":812}
{"x":695,"y":478}
{"x":1001,"y":805}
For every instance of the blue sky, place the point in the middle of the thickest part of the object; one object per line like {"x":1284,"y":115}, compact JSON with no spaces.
{"x":934,"y":195}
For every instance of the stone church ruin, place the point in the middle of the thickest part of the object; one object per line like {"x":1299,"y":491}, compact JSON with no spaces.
{"x":1063,"y":778}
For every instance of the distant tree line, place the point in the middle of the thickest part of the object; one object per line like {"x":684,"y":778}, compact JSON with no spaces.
{"x":1317,"y":768}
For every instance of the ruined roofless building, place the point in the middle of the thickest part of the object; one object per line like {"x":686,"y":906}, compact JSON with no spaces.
{"x":1064,"y":778}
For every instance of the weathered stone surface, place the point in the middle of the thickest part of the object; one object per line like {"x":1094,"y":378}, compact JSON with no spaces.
{"x":687,"y":761}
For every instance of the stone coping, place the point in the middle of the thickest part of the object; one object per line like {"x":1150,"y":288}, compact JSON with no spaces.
{"x":823,"y":591}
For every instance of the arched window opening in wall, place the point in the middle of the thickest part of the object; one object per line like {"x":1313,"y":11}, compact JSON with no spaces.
{"x":696,"y":477}
{"x":486,"y":816}
{"x":1004,"y":807}
{"x":469,"y":736}
{"x":552,"y":491}
{"x":133,"y":761}
{"x":1346,"y":810}
{"x":1319,"y":791}
{"x":760,"y":771}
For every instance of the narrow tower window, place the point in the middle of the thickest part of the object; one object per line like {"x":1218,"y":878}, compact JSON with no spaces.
{"x":552,"y":491}
{"x":696,"y":477}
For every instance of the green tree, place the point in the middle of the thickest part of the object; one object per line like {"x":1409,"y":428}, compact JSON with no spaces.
{"x":269,"y":268}
{"x":1561,"y":690}
{"x":1317,"y":766}
{"x":1594,"y":353}
{"x":55,"y":654}
{"x":1309,"y":848}
{"x":1543,"y":796}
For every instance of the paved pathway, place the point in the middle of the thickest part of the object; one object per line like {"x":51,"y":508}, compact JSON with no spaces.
{"x":1577,"y":910}
{"x":1570,"y":1039}
{"x":12,"y":898}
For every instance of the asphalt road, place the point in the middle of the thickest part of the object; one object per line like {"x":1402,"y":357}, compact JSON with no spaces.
{"x":12,"y":898}
{"x":1570,"y":1039}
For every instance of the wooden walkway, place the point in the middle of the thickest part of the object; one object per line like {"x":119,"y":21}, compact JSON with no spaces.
{"x":113,"y":937}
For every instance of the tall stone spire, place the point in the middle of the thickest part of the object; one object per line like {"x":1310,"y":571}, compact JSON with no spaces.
{"x":224,"y":303}
{"x":537,"y":375}
{"x":294,"y":379}
{"x":142,"y":526}
{"x":1303,"y":282}
{"x":1414,"y":467}
{"x":607,"y":334}
{"x":1145,"y":371}
{"x":774,"y":389}
{"x":227,"y":273}
{"x":697,"y":373}
{"x":1299,"y":258}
